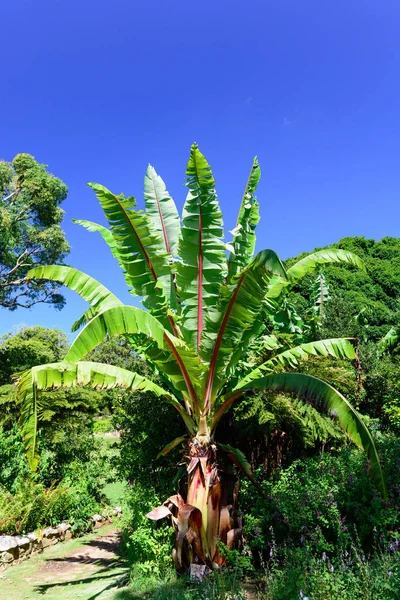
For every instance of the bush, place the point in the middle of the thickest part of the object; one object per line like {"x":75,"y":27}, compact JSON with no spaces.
{"x":13,"y":464}
{"x":69,"y":483}
{"x":148,"y":544}
{"x":348,"y":575}
{"x":32,"y":507}
{"x":324,"y":501}
{"x":102,"y":426}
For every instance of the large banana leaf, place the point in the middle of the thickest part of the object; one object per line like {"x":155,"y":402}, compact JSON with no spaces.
{"x":244,"y":237}
{"x":310,"y":262}
{"x":56,"y":375}
{"x":325,"y":397}
{"x":389,"y":341}
{"x":161,"y":210}
{"x":203,"y":263}
{"x":239,"y":308}
{"x":182,"y":367}
{"x":169,"y":354}
{"x":248,"y":338}
{"x":87,"y":287}
{"x":111,"y":243}
{"x":141,"y":251}
{"x":337,"y":348}
{"x":116,"y":321}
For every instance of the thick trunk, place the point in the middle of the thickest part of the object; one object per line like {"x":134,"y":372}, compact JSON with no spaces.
{"x":213,"y":491}
{"x":206,"y":512}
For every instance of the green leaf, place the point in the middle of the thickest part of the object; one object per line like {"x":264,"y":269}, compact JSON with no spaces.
{"x":116,"y":321}
{"x":141,"y":252}
{"x":110,"y":241}
{"x":168,"y":364}
{"x":161,"y":210}
{"x":239,"y":459}
{"x":310,"y":262}
{"x":57,"y":375}
{"x":168,"y":353}
{"x":203,"y":264}
{"x":87,"y":287}
{"x":239,"y":308}
{"x":171,"y":446}
{"x":337,"y":348}
{"x":244,"y":237}
{"x":325,"y":397}
{"x":389,"y":341}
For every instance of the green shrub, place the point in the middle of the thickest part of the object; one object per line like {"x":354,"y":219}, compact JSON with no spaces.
{"x":102,"y":426}
{"x":13,"y":465}
{"x":69,"y":484}
{"x":148,"y":544}
{"x":297,"y":573}
{"x":324,"y":501}
{"x":32,"y":507}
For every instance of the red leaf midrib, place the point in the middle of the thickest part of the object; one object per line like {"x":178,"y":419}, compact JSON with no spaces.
{"x":218,"y":341}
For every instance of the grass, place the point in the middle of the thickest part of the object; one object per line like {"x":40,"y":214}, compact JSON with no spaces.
{"x":68,"y":571}
{"x":115,"y":492}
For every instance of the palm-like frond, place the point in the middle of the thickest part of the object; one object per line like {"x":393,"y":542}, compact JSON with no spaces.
{"x":56,"y":375}
{"x":105,"y":233}
{"x":337,"y":348}
{"x":116,"y":321}
{"x":239,"y":308}
{"x":161,"y":210}
{"x":323,"y":396}
{"x":332,"y":255}
{"x":178,"y":361}
{"x":87,"y":287}
{"x":141,"y":252}
{"x":310,"y":262}
{"x":244,"y":237}
{"x":203,"y":265}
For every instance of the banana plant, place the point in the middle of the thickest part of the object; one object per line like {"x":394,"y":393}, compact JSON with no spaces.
{"x":390,"y":342}
{"x":204,"y":306}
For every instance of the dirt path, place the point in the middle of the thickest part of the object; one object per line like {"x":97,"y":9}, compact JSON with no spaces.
{"x":88,"y":568}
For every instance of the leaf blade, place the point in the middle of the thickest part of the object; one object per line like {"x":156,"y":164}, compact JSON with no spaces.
{"x":323,"y":395}
{"x":244,"y":237}
{"x":201,"y":249}
{"x":56,"y":375}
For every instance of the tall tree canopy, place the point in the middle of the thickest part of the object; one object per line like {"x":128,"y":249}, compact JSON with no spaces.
{"x":30,"y":232}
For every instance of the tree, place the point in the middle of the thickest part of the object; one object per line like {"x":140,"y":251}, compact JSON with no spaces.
{"x":66,"y":408}
{"x":205,"y":312}
{"x":29,"y":347}
{"x":30,"y":232}
{"x":372,"y":295}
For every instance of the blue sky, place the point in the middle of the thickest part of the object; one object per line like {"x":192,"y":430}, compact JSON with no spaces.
{"x":98,"y":89}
